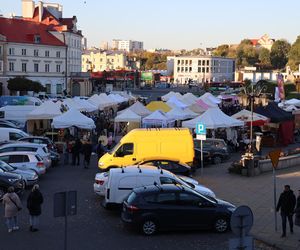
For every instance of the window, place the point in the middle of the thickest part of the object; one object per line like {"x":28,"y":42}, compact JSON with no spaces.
{"x":24,"y":67}
{"x":11,"y":66}
{"x":47,"y":53}
{"x":178,"y":61}
{"x":14,"y":136}
{"x":11,"y":51}
{"x":187,"y":199}
{"x":5,"y":158}
{"x":199,"y":62}
{"x":186,"y":69}
{"x":57,"y":53}
{"x":125,"y":149}
{"x":178,"y":69}
{"x":25,"y":149}
{"x":150,"y":198}
{"x":0,"y":50}
{"x":23,"y":52}
{"x":166,"y":180}
{"x":47,"y":67}
{"x":207,"y":69}
{"x":203,"y":70}
{"x":190,"y":69}
{"x":37,"y":39}
{"x":58,"y":68}
{"x":48,"y":88}
{"x":166,"y":198}
{"x":8,"y":149}
{"x":1,"y":66}
{"x":36,"y":52}
{"x":190,"y":62}
{"x":58,"y":88}
{"x":199,"y":69}
{"x":16,"y":158}
{"x":36,"y":67}
{"x":207,"y":62}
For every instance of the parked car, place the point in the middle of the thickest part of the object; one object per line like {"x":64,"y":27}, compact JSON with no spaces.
{"x":11,"y":134}
{"x":174,"y":166}
{"x":153,"y":208}
{"x":40,"y":149}
{"x":29,"y":176}
{"x":215,"y":150}
{"x":7,"y":124}
{"x":55,"y":157}
{"x":25,"y":160}
{"x":10,"y":179}
{"x":120,"y":181}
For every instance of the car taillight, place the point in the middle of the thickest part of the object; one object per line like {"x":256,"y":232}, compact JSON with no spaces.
{"x":40,"y":164}
{"x":99,"y":182}
{"x":132,"y":208}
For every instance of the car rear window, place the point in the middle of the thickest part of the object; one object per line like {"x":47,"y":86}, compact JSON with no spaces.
{"x":45,"y":149}
{"x":38,"y":158}
{"x":131,"y":197}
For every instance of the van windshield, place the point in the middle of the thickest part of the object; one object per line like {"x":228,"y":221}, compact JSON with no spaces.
{"x":114,"y":149}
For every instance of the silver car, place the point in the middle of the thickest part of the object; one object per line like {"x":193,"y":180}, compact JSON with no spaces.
{"x":30,"y":177}
{"x":25,"y":160}
{"x":40,"y":149}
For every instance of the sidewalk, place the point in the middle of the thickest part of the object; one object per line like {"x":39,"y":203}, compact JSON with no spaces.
{"x":257,"y":193}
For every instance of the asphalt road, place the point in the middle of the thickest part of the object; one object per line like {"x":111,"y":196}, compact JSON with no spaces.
{"x":93,"y":227}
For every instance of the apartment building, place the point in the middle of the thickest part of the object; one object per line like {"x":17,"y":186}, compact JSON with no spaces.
{"x":127,"y":45}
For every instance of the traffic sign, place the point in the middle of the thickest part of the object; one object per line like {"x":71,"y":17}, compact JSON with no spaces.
{"x":200,"y":129}
{"x":201,"y":137}
{"x":241,"y":220}
{"x":274,"y":156}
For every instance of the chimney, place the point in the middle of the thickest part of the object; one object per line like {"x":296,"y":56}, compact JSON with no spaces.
{"x":27,"y":8}
{"x":41,"y":10}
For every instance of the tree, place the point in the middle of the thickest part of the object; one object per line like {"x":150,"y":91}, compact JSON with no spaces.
{"x":24,"y":84}
{"x":279,"y":53}
{"x":246,"y":54}
{"x":221,"y":50}
{"x":294,"y":55}
{"x":264,"y":58}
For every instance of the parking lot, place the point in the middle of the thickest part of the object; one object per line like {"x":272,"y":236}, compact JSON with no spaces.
{"x":93,"y":227}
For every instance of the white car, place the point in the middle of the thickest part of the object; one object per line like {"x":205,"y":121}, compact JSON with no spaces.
{"x":40,"y":149}
{"x":101,"y":180}
{"x":25,"y":160}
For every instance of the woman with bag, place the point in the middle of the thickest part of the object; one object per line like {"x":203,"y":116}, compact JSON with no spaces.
{"x":12,"y":204}
{"x":34,"y":202}
{"x":297,"y":211}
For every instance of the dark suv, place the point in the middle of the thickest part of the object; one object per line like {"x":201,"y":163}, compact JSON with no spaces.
{"x":214,"y":151}
{"x":153,"y":208}
{"x":11,"y":179}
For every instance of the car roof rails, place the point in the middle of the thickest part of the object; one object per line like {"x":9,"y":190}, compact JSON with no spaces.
{"x":159,"y":187}
{"x":140,"y":170}
{"x":122,"y":169}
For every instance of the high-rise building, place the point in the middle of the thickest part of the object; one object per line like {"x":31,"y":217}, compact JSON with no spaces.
{"x":127,"y":45}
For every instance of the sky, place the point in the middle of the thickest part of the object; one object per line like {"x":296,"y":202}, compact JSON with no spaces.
{"x":178,"y":24}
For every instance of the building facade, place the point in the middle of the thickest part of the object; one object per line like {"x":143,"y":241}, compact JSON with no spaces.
{"x":127,"y":45}
{"x":96,"y":60}
{"x":203,"y":69}
{"x":264,"y":42}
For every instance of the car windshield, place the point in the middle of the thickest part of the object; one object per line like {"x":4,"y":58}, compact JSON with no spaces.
{"x":187,"y":183}
{"x":5,"y":166}
{"x":114,"y":148}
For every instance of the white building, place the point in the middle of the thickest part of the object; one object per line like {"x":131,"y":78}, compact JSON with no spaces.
{"x":203,"y":69}
{"x":127,"y":45}
{"x":30,"y":50}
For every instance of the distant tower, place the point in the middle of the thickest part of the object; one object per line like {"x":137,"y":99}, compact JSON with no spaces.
{"x":27,"y":8}
{"x":104,"y":45}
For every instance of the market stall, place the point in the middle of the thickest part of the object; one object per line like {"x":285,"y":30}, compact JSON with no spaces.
{"x":126,"y":121}
{"x":158,"y":105}
{"x":157,"y":120}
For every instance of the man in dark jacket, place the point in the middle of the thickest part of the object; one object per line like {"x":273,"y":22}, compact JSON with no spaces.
{"x":34,"y":202}
{"x":286,"y":204}
{"x":87,"y":151}
{"x":76,"y":149}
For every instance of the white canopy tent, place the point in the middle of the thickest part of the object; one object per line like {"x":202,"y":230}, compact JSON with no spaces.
{"x":71,"y":104}
{"x":213,"y":118}
{"x":47,"y":110}
{"x":73,"y":118}
{"x":139,"y":109}
{"x":132,"y":120}
{"x":209,"y":99}
{"x":88,"y":106}
{"x":181,"y":114}
{"x":101,"y":102}
{"x":174,"y":102}
{"x":246,"y":116}
{"x":167,"y":96}
{"x":157,"y":119}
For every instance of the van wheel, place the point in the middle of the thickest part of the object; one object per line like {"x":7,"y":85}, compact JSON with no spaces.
{"x":217,"y":160}
{"x":221,"y":225}
{"x":149,"y":227}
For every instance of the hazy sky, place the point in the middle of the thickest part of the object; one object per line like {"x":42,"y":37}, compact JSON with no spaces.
{"x":177,"y":24}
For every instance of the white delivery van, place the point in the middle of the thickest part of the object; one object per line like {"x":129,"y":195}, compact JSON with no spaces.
{"x":11,"y":134}
{"x":121,"y":181}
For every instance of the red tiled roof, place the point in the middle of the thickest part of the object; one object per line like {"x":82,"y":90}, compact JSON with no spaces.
{"x":254,"y":41}
{"x":23,"y":31}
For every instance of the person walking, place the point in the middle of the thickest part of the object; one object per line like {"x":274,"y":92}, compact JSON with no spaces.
{"x":12,"y":204}
{"x":34,"y":202}
{"x":100,"y":149}
{"x":286,"y":205}
{"x":297,"y":211}
{"x":76,"y":152}
{"x":87,"y":151}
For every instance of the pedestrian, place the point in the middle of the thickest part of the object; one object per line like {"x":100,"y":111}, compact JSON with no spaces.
{"x":76,"y":149}
{"x":100,"y":149}
{"x":297,"y":211}
{"x":34,"y":202}
{"x":66,"y":153}
{"x":12,"y":205}
{"x":286,"y":204}
{"x":87,"y":151}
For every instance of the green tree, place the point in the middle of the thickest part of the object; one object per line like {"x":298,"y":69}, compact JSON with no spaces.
{"x":294,"y":55}
{"x":264,"y":58}
{"x":221,"y":50}
{"x":246,"y":54}
{"x":279,"y":53}
{"x":24,"y":84}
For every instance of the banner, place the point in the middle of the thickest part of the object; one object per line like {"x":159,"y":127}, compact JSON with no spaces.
{"x":280,"y":86}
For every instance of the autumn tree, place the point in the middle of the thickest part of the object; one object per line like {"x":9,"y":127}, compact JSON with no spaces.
{"x":279,"y":53}
{"x":294,"y":55}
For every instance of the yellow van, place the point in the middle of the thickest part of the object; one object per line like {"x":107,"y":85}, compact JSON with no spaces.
{"x":138,"y":144}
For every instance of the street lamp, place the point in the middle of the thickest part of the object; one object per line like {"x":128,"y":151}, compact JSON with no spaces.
{"x":253,"y":94}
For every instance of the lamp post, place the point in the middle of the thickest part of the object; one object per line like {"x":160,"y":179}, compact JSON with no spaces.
{"x":253,"y":94}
